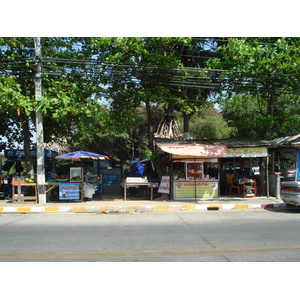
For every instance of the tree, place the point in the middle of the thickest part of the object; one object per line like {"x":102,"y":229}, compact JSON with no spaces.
{"x":66,"y":99}
{"x":267,"y":68}
{"x":138,"y":72}
{"x":150,"y":71}
{"x":242,"y":112}
{"x":210,"y":125}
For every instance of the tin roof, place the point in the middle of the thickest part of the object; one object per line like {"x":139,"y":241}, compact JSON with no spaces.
{"x":287,"y":141}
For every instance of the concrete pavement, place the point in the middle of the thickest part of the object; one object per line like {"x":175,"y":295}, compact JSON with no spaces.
{"x":118,"y":205}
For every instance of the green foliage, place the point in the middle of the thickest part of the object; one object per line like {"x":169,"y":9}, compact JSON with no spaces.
{"x":210,"y":125}
{"x":265,"y":67}
{"x":243,"y":111}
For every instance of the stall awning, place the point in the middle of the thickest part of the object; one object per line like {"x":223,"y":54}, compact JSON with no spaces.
{"x":78,"y":155}
{"x":195,"y":150}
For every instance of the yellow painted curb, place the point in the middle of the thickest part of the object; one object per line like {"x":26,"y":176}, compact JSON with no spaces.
{"x":1,"y":209}
{"x":23,"y":209}
{"x":241,"y":206}
{"x":51,"y":209}
{"x":134,"y":208}
{"x":104,"y":208}
{"x":189,"y":207}
{"x":79,"y":209}
{"x":161,"y":207}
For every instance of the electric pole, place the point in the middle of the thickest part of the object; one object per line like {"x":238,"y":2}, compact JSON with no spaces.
{"x":39,"y":124}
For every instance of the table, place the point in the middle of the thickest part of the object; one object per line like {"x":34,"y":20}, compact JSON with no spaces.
{"x":149,"y":184}
{"x":19,"y":196}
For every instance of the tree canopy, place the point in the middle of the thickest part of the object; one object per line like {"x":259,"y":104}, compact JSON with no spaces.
{"x":268,"y":68}
{"x":109,"y":94}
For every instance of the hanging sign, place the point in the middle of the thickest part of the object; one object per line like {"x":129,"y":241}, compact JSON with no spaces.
{"x":247,"y":152}
{"x":164,"y":186}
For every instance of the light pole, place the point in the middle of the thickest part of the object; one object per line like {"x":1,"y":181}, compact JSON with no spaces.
{"x":39,"y":124}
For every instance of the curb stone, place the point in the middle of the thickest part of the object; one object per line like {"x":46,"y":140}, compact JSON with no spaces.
{"x":138,"y":208}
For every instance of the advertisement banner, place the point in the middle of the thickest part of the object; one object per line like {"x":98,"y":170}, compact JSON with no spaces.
{"x":195,"y":189}
{"x":69,"y":191}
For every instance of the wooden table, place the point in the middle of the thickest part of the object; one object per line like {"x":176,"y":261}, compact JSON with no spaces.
{"x":149,"y":184}
{"x":18,"y":197}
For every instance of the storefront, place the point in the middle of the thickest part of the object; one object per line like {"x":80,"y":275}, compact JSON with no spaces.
{"x":245,"y":163}
{"x":194,"y":170}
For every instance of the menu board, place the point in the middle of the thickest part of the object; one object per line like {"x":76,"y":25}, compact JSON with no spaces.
{"x":68,"y":191}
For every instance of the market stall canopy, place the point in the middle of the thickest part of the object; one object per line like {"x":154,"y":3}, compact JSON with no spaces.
{"x":78,"y":155}
{"x":199,"y":150}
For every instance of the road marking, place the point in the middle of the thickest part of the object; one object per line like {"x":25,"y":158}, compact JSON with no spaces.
{"x":146,"y":253}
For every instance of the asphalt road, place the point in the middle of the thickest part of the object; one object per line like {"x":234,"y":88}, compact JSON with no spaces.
{"x":217,"y":236}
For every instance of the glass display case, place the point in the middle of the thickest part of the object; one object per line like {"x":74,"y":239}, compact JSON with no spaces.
{"x":76,"y":174}
{"x":194,"y":171}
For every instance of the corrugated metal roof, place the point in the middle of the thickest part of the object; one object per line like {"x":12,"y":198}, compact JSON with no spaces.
{"x":292,"y":141}
{"x":287,"y":140}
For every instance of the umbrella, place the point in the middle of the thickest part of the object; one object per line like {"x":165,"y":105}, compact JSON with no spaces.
{"x":78,"y":155}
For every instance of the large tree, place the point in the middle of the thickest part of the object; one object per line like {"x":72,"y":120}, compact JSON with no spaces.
{"x":153,"y":72}
{"x":66,"y":95}
{"x":268,"y":68}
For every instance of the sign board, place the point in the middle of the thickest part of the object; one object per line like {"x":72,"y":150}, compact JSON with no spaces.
{"x":135,"y":179}
{"x":69,"y":191}
{"x":247,"y":152}
{"x":195,"y":189}
{"x":164,"y":186}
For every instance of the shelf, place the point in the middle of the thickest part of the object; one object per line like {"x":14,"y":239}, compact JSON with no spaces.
{"x":249,"y":188}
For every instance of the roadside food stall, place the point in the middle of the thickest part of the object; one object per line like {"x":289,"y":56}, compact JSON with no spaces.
{"x":19,"y":186}
{"x":140,"y":178}
{"x":194,"y":169}
{"x":244,"y":162}
{"x":83,"y":181}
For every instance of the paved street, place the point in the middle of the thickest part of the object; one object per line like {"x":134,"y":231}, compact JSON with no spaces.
{"x":218,"y":236}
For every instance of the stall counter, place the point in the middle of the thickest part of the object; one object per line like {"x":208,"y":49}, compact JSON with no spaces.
{"x":195,"y":189}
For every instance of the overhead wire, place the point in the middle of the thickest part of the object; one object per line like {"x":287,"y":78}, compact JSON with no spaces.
{"x":190,"y":77}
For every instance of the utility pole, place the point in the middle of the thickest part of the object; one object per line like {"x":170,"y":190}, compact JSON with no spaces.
{"x":39,"y":124}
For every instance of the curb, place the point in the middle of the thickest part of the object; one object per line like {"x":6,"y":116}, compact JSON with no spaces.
{"x":138,"y":208}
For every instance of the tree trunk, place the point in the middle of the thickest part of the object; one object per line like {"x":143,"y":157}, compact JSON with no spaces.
{"x":149,"y":126}
{"x":186,"y":126}
{"x":262,"y":185}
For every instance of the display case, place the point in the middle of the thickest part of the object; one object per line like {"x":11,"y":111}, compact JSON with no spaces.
{"x":194,"y":171}
{"x":76,"y":174}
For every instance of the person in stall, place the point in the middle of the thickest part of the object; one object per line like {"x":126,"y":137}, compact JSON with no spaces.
{"x":229,"y":177}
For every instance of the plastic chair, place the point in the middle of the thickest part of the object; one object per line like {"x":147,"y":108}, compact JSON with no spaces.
{"x":231,"y":187}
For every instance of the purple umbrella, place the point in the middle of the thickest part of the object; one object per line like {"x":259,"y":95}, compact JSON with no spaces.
{"x":78,"y":155}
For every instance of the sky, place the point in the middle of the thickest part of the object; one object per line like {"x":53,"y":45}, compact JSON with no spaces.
{"x":157,"y":18}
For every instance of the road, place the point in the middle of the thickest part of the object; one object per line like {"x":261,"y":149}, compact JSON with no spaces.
{"x":216,"y":236}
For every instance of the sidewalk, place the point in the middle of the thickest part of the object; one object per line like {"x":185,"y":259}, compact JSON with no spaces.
{"x":118,"y":205}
